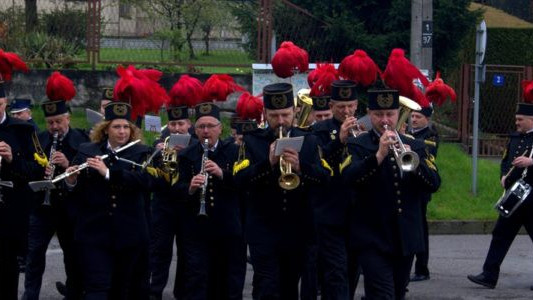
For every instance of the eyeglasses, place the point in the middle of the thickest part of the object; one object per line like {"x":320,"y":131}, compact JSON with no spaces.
{"x":208,"y":126}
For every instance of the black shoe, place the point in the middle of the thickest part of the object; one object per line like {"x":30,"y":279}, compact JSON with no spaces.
{"x":483,"y":280}
{"x":61,"y":288}
{"x":418,"y":277}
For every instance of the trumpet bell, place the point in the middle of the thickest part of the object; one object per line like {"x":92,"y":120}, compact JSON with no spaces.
{"x":409,"y":161}
{"x":289,"y":181}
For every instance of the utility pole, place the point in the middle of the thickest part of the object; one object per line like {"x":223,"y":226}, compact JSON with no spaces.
{"x":421,"y":54}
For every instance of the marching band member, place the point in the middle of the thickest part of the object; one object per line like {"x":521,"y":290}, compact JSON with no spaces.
{"x":331,"y":209}
{"x":386,"y":220}
{"x":20,"y":108}
{"x":214,"y":252}
{"x":54,"y":213}
{"x":422,"y":129}
{"x":278,"y":219}
{"x":507,"y":228}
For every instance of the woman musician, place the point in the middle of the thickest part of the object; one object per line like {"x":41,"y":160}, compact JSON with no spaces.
{"x":112,"y":225}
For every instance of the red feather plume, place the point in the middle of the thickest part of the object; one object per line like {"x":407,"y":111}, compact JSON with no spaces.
{"x":360,"y":68}
{"x":288,"y":58}
{"x":10,"y":62}
{"x":59,"y":87}
{"x":219,"y":86}
{"x":159,"y":94}
{"x":134,"y":88}
{"x":325,"y":75}
{"x":527,"y":90}
{"x":400,"y":74}
{"x":187,"y":91}
{"x":437,"y":91}
{"x":249,"y":107}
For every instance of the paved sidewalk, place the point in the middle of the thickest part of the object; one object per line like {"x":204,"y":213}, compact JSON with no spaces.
{"x":452,"y":257}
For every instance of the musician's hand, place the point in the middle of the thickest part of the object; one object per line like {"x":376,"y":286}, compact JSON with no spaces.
{"x":291,"y":156}
{"x":271,"y":155}
{"x":60,"y":159}
{"x":72,"y":179}
{"x":403,"y":128}
{"x":98,"y":164}
{"x":196,"y":182}
{"x":5,"y":152}
{"x":387,"y":139}
{"x":160,"y":146}
{"x":212,"y":168}
{"x":407,"y":147}
{"x":349,"y":123}
{"x":502,"y":181}
{"x":47,"y":171}
{"x":522,"y":162}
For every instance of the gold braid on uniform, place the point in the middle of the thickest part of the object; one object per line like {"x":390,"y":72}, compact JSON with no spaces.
{"x":38,"y":155}
{"x":324,"y":162}
{"x":242,"y":162}
{"x":347,"y":160}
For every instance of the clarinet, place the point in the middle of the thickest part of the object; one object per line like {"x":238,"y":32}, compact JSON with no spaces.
{"x":52,"y":167}
{"x":202,"y":212}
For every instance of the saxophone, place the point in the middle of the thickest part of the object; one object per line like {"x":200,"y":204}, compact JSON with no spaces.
{"x":202,"y":212}
{"x":52,"y":167}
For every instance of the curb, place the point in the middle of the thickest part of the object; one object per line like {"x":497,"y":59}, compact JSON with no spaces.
{"x":463,"y":227}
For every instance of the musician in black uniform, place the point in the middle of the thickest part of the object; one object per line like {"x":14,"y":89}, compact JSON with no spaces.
{"x":166,"y":211}
{"x":20,"y":108}
{"x":386,"y":219}
{"x":422,"y":129}
{"x":321,"y":109}
{"x":107,"y":97}
{"x":213,"y":246}
{"x":506,"y":228}
{"x":332,"y":209}
{"x":17,"y":148}
{"x":111,"y":231}
{"x":55,"y":214}
{"x":278,"y":220}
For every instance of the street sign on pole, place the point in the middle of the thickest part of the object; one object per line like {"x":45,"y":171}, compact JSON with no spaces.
{"x":481,"y":45}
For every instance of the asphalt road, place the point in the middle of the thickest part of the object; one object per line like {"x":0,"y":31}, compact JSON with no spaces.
{"x":452,"y":257}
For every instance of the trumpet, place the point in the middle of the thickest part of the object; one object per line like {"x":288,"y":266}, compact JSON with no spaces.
{"x":170,"y":157}
{"x":407,"y":160}
{"x":202,"y":212}
{"x":287,"y":180}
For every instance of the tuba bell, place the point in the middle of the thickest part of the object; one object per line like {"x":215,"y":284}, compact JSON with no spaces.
{"x":406,"y":107}
{"x":287,"y":180}
{"x":305,"y":103}
{"x":170,"y":157}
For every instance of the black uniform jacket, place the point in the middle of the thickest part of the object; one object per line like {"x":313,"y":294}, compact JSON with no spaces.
{"x":22,"y":169}
{"x":519,"y":145}
{"x":274,"y":214}
{"x":430,"y":137}
{"x":112,"y":212}
{"x":222,"y":204}
{"x":333,"y":206}
{"x":67,"y":145}
{"x":387,"y":214}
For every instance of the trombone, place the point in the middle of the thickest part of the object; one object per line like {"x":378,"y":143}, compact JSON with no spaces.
{"x":407,"y":160}
{"x":287,"y":180}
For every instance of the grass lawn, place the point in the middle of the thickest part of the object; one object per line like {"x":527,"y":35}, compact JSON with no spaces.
{"x":454,"y":200}
{"x":147,"y":56}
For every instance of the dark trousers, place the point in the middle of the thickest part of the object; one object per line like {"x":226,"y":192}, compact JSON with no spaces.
{"x":386,"y":275}
{"x":333,"y":257}
{"x":110,"y":273}
{"x":277,"y":269}
{"x":165,"y":229}
{"x":503,"y":234}
{"x":309,"y":278}
{"x":44,"y":222}
{"x":9,"y":270}
{"x":422,"y":258}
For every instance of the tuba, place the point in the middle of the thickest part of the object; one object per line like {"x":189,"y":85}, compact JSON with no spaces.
{"x":305,"y":103}
{"x":170,"y":157}
{"x":406,"y":107}
{"x":287,"y":180}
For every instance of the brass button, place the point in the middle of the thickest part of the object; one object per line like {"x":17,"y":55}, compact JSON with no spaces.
{"x":210,"y":190}
{"x":212,"y":204}
{"x":394,"y":167}
{"x":114,"y":205}
{"x":210,"y":176}
{"x":399,"y":201}
{"x":398,"y":193}
{"x":396,"y":184}
{"x":110,"y":213}
{"x":113,"y":197}
{"x":110,"y":164}
{"x":399,"y":210}
{"x":60,"y":194}
{"x":212,"y":198}
{"x":392,"y":159}
{"x":284,"y":209}
{"x":284,"y":200}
